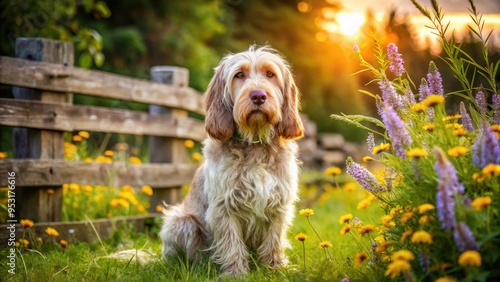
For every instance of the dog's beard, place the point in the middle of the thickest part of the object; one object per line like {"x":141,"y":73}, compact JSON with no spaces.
{"x":256,"y":127}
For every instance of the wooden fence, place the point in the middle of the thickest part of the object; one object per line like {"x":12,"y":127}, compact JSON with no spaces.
{"x":45,"y":78}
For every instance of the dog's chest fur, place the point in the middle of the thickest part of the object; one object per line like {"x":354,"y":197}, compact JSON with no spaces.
{"x":254,"y":182}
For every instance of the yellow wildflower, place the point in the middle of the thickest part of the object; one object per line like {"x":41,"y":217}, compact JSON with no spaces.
{"x":146,"y":189}
{"x":433,"y":100}
{"x":425,"y":219}
{"x":77,"y":138}
{"x":349,"y":186}
{"x":470,"y":258}
{"x":405,"y":235}
{"x":380,"y":148}
{"x":84,"y":134}
{"x":364,"y":204}
{"x":325,"y":244}
{"x":345,"y":229}
{"x":52,"y":232}
{"x":397,"y":267}
{"x":196,"y":156}
{"x":423,"y":208}
{"x":109,"y":153}
{"x":140,"y":208}
{"x":3,"y":155}
{"x":189,"y":144}
{"x":491,"y":169}
{"x":159,"y":208}
{"x":481,"y":202}
{"x":360,"y":257}
{"x":396,"y":210}
{"x":128,"y":189}
{"x":24,"y":242}
{"x":134,"y":160}
{"x":367,"y":159}
{"x":345,"y":218}
{"x":87,"y":160}
{"x":417,"y":153}
{"x":445,"y":279}
{"x":405,"y":217}
{"x":26,"y":223}
{"x":478,"y":177}
{"x":459,"y":132}
{"x":63,"y":243}
{"x":418,"y":107}
{"x":333,"y":170}
{"x":115,"y":202}
{"x":457,"y":151}
{"x":429,"y":127}
{"x":382,"y":247}
{"x":103,"y":159}
{"x":301,"y":237}
{"x":403,"y":255}
{"x":306,"y":212}
{"x":421,"y":237}
{"x":366,"y":229}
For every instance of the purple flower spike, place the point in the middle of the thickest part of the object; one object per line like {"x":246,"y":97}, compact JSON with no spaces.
{"x":434,"y":80}
{"x":464,"y":238}
{"x":448,"y":187}
{"x":423,"y":90}
{"x":482,"y":104}
{"x":396,"y":64}
{"x":496,"y":108}
{"x":370,"y":141}
{"x":447,"y":173}
{"x":365,"y":178}
{"x":389,"y":94}
{"x":466,"y":120}
{"x":445,"y":207}
{"x":486,"y":149}
{"x":396,"y":129}
{"x":425,"y":262}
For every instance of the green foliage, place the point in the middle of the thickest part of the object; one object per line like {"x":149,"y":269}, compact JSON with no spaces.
{"x":55,"y":20}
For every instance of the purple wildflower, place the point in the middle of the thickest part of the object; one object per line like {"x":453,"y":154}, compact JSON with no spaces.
{"x":370,"y":141}
{"x":355,"y":48}
{"x":396,"y":64}
{"x":365,"y":178}
{"x":345,"y":279}
{"x":374,"y":246}
{"x":482,"y":104}
{"x":396,"y":129}
{"x":448,"y":187}
{"x":445,"y":207}
{"x":389,"y":95}
{"x":466,"y":120}
{"x":464,"y":238}
{"x":434,"y":80}
{"x":486,"y":149}
{"x":496,"y":108}
{"x":409,"y":96}
{"x":425,"y":262}
{"x":423,"y":90}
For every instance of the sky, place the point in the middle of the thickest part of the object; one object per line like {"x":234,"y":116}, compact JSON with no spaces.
{"x":449,"y":6}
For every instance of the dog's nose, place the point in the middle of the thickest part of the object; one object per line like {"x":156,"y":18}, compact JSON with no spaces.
{"x":258,"y":97}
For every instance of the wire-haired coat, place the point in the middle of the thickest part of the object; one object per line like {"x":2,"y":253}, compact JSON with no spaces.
{"x":242,"y":198}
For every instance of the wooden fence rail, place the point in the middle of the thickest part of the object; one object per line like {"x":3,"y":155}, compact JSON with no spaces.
{"x":45,"y":78}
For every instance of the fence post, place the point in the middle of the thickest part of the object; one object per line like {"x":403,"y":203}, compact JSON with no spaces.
{"x":43,"y":204}
{"x":166,"y":149}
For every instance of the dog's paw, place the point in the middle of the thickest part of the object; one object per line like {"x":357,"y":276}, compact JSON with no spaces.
{"x":236,"y":270}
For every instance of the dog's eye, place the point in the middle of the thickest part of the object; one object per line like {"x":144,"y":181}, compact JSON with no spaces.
{"x":239,"y":75}
{"x":269,"y":74}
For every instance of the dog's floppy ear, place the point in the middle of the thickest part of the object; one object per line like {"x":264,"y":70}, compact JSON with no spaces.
{"x":219,"y":122}
{"x":291,"y":126}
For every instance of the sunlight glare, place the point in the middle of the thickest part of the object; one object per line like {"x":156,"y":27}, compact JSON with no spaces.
{"x":350,"y":23}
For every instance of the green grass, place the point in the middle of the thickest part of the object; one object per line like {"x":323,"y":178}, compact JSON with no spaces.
{"x":88,"y":262}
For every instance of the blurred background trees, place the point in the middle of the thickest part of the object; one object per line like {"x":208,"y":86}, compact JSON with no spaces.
{"x":128,"y":37}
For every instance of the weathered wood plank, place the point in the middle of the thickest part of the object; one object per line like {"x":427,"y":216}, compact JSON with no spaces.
{"x":63,"y":117}
{"x":60,"y":78}
{"x":32,"y":172}
{"x":82,"y":231}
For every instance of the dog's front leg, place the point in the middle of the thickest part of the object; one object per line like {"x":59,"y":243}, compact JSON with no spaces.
{"x":228,"y":248}
{"x":272,"y":250}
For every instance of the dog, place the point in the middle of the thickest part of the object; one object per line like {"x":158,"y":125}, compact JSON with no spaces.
{"x":242,"y":197}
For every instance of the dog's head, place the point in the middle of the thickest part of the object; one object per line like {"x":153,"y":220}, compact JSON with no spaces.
{"x":254,"y":94}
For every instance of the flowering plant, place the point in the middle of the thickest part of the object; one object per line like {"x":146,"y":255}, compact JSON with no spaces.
{"x":439,"y":183}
